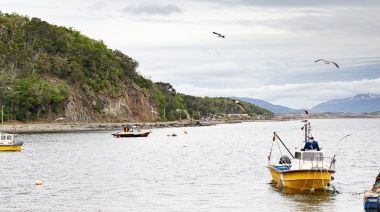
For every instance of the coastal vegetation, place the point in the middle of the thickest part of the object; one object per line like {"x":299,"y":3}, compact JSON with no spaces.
{"x":49,"y":71}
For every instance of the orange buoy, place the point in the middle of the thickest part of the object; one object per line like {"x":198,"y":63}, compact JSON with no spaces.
{"x":168,"y":135}
{"x":185,"y":132}
{"x":38,"y":182}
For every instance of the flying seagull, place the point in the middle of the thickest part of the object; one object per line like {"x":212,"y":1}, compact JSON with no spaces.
{"x":60,"y":119}
{"x":239,"y":104}
{"x":345,"y":137}
{"x":327,"y":62}
{"x":304,"y":116}
{"x":219,"y":35}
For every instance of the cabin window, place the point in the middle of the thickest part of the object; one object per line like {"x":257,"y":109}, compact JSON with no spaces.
{"x":9,"y":137}
{"x":312,"y":156}
{"x":2,"y":137}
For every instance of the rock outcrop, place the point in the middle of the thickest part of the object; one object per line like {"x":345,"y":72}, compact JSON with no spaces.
{"x":132,"y":106}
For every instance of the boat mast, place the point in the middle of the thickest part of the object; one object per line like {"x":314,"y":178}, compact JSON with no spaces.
{"x":306,"y":132}
{"x":307,"y":129}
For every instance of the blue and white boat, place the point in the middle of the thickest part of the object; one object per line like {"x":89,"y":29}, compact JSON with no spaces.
{"x":372,"y":197}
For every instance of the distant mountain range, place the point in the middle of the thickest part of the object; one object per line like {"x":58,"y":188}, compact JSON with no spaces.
{"x":269,"y":106}
{"x":361,"y":103}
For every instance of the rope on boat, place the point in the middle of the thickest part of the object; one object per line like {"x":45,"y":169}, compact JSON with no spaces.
{"x":270,"y":153}
{"x":275,"y":134}
{"x":336,"y":190}
{"x":279,"y":148}
{"x":323,"y":181}
{"x":321,"y":169}
{"x":303,"y":188}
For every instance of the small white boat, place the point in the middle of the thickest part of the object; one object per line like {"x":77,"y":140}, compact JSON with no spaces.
{"x":132,"y":131}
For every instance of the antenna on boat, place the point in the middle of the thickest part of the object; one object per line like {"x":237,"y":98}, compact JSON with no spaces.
{"x":306,"y":126}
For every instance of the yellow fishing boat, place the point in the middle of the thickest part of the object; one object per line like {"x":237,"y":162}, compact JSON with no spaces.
{"x":8,"y":143}
{"x":308,"y":169}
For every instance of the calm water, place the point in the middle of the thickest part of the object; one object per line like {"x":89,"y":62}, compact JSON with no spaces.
{"x":218,"y":168}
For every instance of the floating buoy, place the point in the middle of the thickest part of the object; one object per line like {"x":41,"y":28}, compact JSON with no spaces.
{"x":168,"y":135}
{"x":38,"y":182}
{"x":185,"y":132}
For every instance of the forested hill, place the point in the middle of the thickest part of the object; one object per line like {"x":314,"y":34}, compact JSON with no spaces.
{"x":50,"y":71}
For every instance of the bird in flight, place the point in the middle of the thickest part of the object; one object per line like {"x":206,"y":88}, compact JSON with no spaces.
{"x":219,"y":35}
{"x":327,"y":62}
{"x":304,"y":116}
{"x":345,"y":137}
{"x":60,"y":119}
{"x":237,"y":103}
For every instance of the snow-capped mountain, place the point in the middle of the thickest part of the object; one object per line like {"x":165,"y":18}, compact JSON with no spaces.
{"x":361,"y":103}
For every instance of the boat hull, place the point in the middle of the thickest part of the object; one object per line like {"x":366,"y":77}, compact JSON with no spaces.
{"x":370,"y":199}
{"x":8,"y":147}
{"x":124,"y":135}
{"x":301,"y":179}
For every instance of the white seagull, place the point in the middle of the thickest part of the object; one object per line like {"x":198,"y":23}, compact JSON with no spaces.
{"x":60,"y":119}
{"x":219,"y":35}
{"x":327,"y":62}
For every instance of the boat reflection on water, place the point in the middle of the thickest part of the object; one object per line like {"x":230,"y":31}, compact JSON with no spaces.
{"x":306,"y":199}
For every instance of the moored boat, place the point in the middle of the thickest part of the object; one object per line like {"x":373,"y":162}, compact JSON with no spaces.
{"x":132,"y":131}
{"x":372,"y":196}
{"x":308,"y":169}
{"x":8,"y":142}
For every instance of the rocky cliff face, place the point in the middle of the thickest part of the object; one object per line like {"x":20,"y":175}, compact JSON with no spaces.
{"x":132,"y":106}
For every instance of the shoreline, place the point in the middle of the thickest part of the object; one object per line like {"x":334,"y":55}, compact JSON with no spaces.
{"x":67,"y":126}
{"x":77,"y":126}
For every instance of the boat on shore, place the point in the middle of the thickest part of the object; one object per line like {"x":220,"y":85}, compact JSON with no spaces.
{"x":372,"y":197}
{"x":8,"y":142}
{"x":307,"y":169}
{"x":132,"y":131}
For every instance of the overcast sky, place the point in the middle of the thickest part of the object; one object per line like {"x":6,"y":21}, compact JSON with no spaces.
{"x":268,"y":51}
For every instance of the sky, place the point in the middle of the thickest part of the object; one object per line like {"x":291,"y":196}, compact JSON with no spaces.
{"x":268,"y":53}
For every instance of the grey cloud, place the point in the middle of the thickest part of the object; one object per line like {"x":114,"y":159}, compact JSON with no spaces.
{"x":294,"y":3}
{"x":152,"y":9}
{"x":343,"y":20}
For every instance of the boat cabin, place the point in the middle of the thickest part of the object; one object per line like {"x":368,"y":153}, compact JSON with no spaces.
{"x":6,"y":138}
{"x":307,"y":159}
{"x":130,"y":128}
{"x":309,"y":155}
